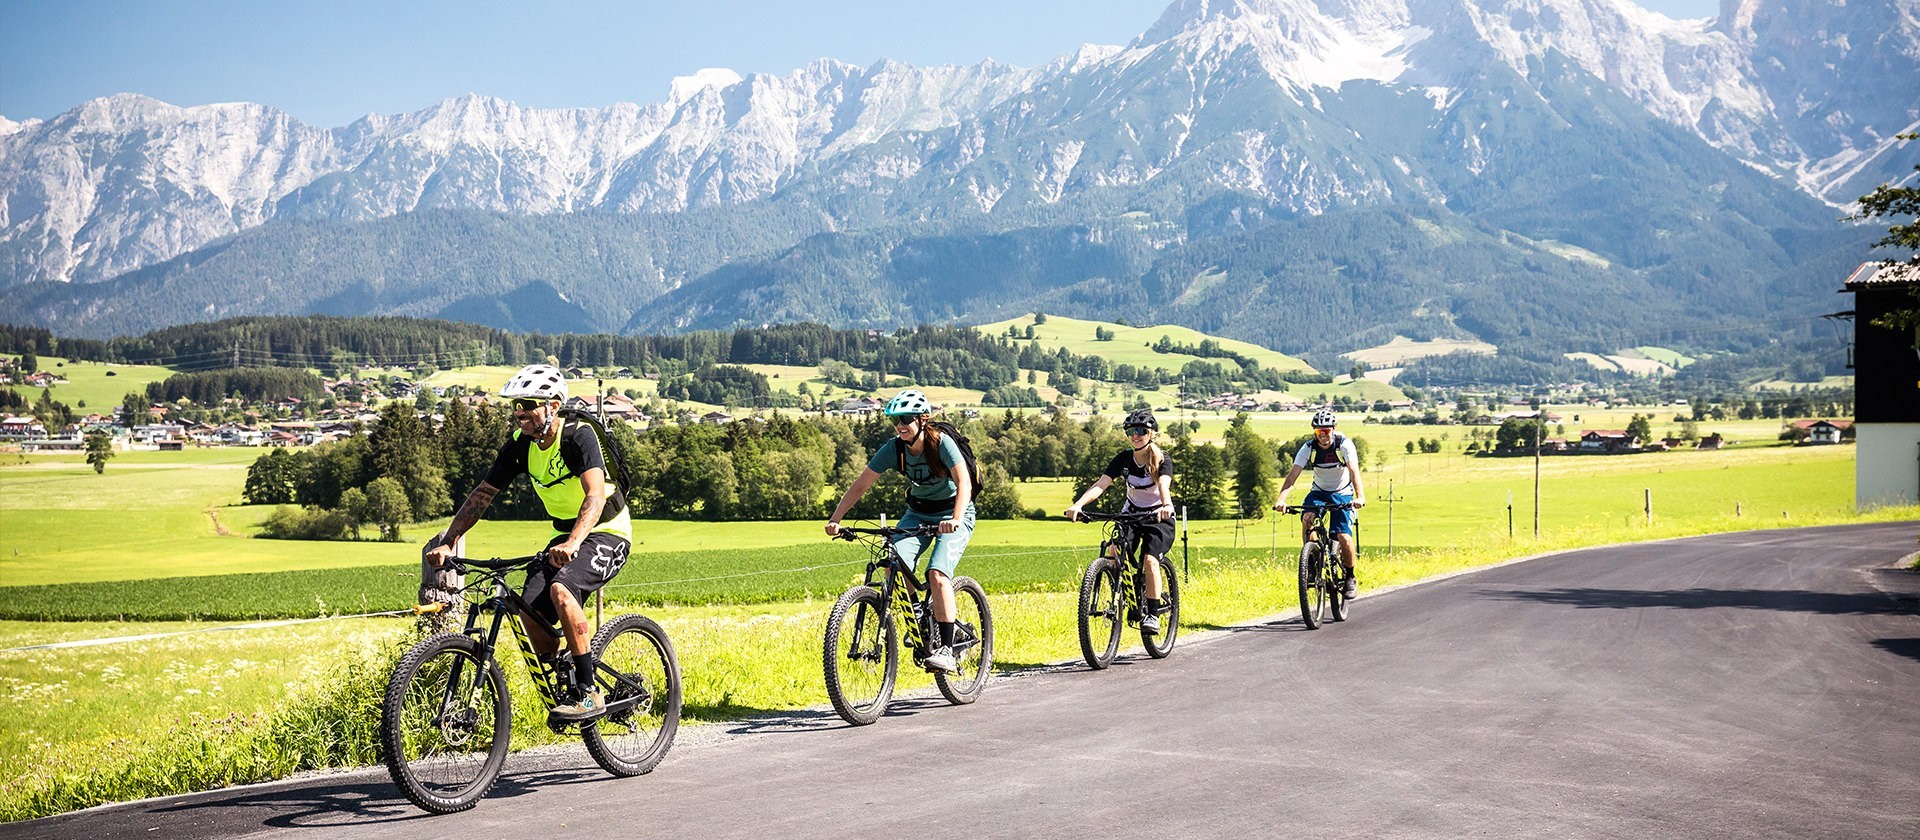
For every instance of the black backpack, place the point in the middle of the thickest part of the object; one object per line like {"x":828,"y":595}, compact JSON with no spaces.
{"x":609,"y":452}
{"x":939,"y":467}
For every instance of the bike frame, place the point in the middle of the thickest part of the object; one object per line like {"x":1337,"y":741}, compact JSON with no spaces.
{"x":1329,"y":547}
{"x":502,"y":602}
{"x":1318,"y":528}
{"x":1126,"y":546}
{"x":900,"y":586}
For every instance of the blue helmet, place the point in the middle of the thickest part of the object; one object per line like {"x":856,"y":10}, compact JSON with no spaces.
{"x":908,"y":403}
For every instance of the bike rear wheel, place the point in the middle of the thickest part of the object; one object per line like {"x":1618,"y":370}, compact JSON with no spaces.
{"x":972,"y":644}
{"x":1313,"y":594}
{"x":1160,"y":644}
{"x":445,"y":723}
{"x":1100,"y":616}
{"x":861,"y":656}
{"x":641,"y":680}
{"x":1336,"y":583}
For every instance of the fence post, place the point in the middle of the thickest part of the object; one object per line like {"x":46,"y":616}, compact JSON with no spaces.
{"x":1187,"y":570}
{"x":1649,"y":503}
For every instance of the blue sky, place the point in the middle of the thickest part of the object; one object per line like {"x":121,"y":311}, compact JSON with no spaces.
{"x":328,"y":63}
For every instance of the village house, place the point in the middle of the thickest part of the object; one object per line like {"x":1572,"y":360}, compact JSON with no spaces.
{"x":1822,"y":431}
{"x":1710,"y":443}
{"x":22,"y":428}
{"x":1607,"y":442}
{"x":860,"y":406}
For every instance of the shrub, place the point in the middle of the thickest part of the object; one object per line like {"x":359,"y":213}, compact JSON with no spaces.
{"x":308,"y":523}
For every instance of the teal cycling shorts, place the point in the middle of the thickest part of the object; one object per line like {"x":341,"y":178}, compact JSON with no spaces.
{"x":947,"y":548}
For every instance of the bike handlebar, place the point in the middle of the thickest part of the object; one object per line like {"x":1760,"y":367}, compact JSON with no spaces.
{"x":849,"y":532}
{"x":495,"y":564}
{"x":1135,"y":516}
{"x":1315,"y":508}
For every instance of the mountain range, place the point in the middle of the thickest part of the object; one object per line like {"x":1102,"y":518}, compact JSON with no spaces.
{"x":1312,"y":175}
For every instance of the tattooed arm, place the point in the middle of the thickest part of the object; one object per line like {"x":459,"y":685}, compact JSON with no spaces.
{"x":594,"y":482}
{"x":469,"y":515}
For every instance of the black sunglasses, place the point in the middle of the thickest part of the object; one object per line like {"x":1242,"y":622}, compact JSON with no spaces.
{"x":1136,"y":430}
{"x":527,"y":403}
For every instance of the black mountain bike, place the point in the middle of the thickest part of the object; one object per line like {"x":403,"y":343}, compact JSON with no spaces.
{"x":447,"y":717}
{"x":1110,"y":592}
{"x":1323,"y":580}
{"x":861,"y":655}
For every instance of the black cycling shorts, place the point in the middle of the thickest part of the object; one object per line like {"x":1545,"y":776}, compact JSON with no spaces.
{"x":1157,"y":536}
{"x":600,"y":557}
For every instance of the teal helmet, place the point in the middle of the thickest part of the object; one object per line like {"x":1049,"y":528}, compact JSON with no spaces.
{"x":908,"y":403}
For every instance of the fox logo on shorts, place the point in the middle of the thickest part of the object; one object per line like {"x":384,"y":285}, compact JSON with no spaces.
{"x":608,"y":558}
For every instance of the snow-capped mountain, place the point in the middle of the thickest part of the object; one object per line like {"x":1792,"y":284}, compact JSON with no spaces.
{"x":1289,"y":107}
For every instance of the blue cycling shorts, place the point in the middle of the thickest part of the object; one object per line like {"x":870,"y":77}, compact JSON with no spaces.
{"x":1338,"y":521}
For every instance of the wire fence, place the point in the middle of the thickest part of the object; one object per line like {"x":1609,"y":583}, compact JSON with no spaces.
{"x":266,"y":625}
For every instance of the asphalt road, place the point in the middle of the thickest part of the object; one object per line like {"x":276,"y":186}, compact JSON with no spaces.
{"x":1762,"y":684}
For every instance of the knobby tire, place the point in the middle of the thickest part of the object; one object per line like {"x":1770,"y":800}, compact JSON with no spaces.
{"x":1100,"y":613}
{"x":860,"y":656}
{"x":1312,"y":591}
{"x":1161,"y":644}
{"x":974,"y":623}
{"x":445,"y":723}
{"x":640,"y":677}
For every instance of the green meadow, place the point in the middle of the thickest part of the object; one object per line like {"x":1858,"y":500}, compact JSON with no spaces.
{"x":159,"y":551}
{"x":94,"y":387}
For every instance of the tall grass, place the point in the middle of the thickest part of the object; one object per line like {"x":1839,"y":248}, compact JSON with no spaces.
{"x":331,"y":721}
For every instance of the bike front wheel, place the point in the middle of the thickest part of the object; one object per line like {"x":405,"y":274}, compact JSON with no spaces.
{"x":445,"y":723}
{"x":861,"y":656}
{"x":640,"y":677}
{"x":1100,"y":618}
{"x":972,"y":644}
{"x":1313,"y":594}
{"x":1160,"y":644}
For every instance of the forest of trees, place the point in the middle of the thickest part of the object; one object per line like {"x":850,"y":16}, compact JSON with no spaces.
{"x":783,"y":468}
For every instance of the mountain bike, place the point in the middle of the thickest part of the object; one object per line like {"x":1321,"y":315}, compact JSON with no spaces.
{"x":447,"y":716}
{"x":1110,"y":592}
{"x":1322,"y":579}
{"x":861,"y":654}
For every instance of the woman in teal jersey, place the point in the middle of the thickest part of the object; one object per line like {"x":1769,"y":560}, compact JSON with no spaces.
{"x":939,"y":491}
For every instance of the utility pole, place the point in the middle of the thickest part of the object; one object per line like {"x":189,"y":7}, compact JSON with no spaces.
{"x":1390,"y":498}
{"x":1539,"y":431}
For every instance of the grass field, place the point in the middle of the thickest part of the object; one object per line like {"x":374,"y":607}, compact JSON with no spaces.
{"x":94,"y":386}
{"x":1131,"y":345}
{"x":1401,"y":350}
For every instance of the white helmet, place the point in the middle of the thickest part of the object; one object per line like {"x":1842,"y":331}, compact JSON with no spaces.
{"x":1323,"y":419}
{"x":538,"y":381}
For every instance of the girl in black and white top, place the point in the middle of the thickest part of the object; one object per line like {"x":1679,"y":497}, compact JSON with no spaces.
{"x":1149,"y":477}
